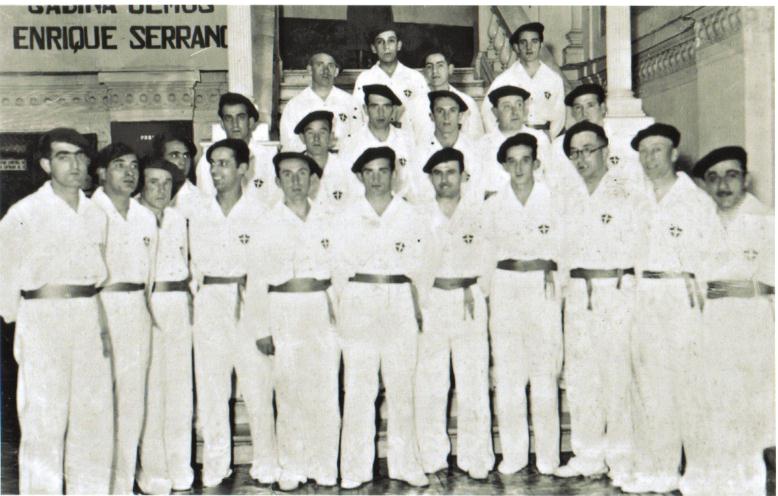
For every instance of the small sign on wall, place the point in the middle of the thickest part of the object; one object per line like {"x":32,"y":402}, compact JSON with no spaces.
{"x":13,"y":164}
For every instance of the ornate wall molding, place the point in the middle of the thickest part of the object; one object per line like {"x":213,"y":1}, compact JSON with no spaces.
{"x":714,"y":24}
{"x":666,"y":58}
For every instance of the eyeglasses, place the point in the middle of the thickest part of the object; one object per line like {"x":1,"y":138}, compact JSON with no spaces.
{"x":731,"y":175}
{"x":584,"y":152}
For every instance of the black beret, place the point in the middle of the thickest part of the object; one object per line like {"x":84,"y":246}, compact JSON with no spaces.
{"x":238,"y":99}
{"x":316,"y":115}
{"x":313,"y":167}
{"x":447,"y":154}
{"x":371,"y":154}
{"x":535,"y":27}
{"x":432,"y":95}
{"x":516,"y":140}
{"x":585,"y":89}
{"x":382,"y":90}
{"x":657,"y":129}
{"x":720,"y":155}
{"x":160,"y":163}
{"x":580,"y":127}
{"x":238,"y":147}
{"x":502,"y":91}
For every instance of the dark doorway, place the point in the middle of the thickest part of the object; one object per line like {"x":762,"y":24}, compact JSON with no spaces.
{"x":138,"y":135}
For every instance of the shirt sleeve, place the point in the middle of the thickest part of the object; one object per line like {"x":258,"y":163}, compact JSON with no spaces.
{"x":487,"y":116}
{"x":203,"y":174}
{"x":12,"y":243}
{"x":558,"y":110}
{"x":286,"y":128}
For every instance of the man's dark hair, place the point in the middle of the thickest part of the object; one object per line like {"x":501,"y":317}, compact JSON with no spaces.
{"x":437,"y":51}
{"x":160,"y":140}
{"x":63,"y":135}
{"x":237,"y":99}
{"x":239,"y":148}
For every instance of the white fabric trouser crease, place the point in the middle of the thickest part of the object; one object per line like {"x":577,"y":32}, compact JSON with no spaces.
{"x":166,"y":442}
{"x":378,"y":332}
{"x":598,"y":372}
{"x":221,"y":344}
{"x":526,"y":331}
{"x":448,"y":334}
{"x":739,"y":363}
{"x":306,"y":382}
{"x":129,"y":324}
{"x":666,"y":394}
{"x":64,"y":398}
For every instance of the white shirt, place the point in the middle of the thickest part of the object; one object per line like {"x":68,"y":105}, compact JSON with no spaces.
{"x":547,"y":96}
{"x":44,"y":241}
{"x":472,"y":125}
{"x":685,"y":234}
{"x":172,"y":247}
{"x":260,"y":179}
{"x":495,"y":176}
{"x":346,"y":110}
{"x":409,"y":86}
{"x":131,"y":242}
{"x":188,"y":199}
{"x":338,"y":186}
{"x":398,"y":140}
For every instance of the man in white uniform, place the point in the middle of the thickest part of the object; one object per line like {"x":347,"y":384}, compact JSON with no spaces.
{"x":166,"y":442}
{"x":130,"y":252}
{"x":291,"y":269}
{"x":180,"y":151}
{"x":509,"y":106}
{"x":738,"y":344}
{"x":685,"y":240}
{"x":221,"y":242}
{"x":382,"y":257}
{"x":547,"y":90}
{"x":447,"y":110}
{"x":381,"y":104}
{"x":322,"y":94}
{"x":337,"y":187}
{"x":605,"y":226}
{"x":455,"y":326}
{"x":239,"y":118}
{"x":437,"y":70}
{"x":524,"y":226}
{"x":405,"y":82}
{"x":52,"y":262}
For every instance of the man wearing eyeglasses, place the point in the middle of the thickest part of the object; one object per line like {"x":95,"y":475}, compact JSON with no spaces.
{"x":52,"y":261}
{"x":605,"y":224}
{"x":738,"y":345}
{"x":239,"y":117}
{"x":547,"y":90}
{"x":685,"y":243}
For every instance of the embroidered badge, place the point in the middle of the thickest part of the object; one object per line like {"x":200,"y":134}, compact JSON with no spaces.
{"x":468,"y":238}
{"x":675,"y":231}
{"x":543,"y":228}
{"x":343,"y":117}
{"x":146,"y":240}
{"x":337,"y":194}
{"x":325,"y":243}
{"x":244,"y":238}
{"x":399,"y":246}
{"x":408,"y":93}
{"x":402,"y":161}
{"x":258,"y":183}
{"x":606,"y":218}
{"x":750,"y":254}
{"x":614,"y":159}
{"x":547,"y":94}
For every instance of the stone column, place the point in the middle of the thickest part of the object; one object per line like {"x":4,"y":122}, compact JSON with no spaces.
{"x":574,"y":51}
{"x":618,"y":59}
{"x":240,"y":77}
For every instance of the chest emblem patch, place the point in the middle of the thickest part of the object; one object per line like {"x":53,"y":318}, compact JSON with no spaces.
{"x":547,"y":95}
{"x":399,"y":246}
{"x":402,"y":161}
{"x":146,"y":240}
{"x":337,"y":194}
{"x":325,"y":243}
{"x":408,"y":93}
{"x":467,"y":176}
{"x":543,"y":228}
{"x":468,"y":238}
{"x":244,"y":238}
{"x":750,"y":254}
{"x":614,"y":159}
{"x":675,"y":231}
{"x":342,"y":117}
{"x":258,"y":183}
{"x":606,"y":218}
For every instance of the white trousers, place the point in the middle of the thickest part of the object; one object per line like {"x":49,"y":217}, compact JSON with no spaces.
{"x":739,"y":362}
{"x":598,"y":372}
{"x":667,"y":392}
{"x":64,"y":398}
{"x":451,"y":337}
{"x":378,"y":332}
{"x":306,"y":366}
{"x":130,"y":327}
{"x":220,"y":345}
{"x":166,"y":442}
{"x":526,"y":331}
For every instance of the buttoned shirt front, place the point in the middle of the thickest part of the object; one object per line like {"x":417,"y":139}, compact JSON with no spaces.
{"x":547,"y":96}
{"x":472,"y":125}
{"x":44,"y":241}
{"x":346,"y":110}
{"x":131,"y":242}
{"x":495,"y":176}
{"x":409,"y":86}
{"x":172,"y":247}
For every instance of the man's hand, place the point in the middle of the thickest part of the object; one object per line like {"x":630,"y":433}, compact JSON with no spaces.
{"x":265,"y":345}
